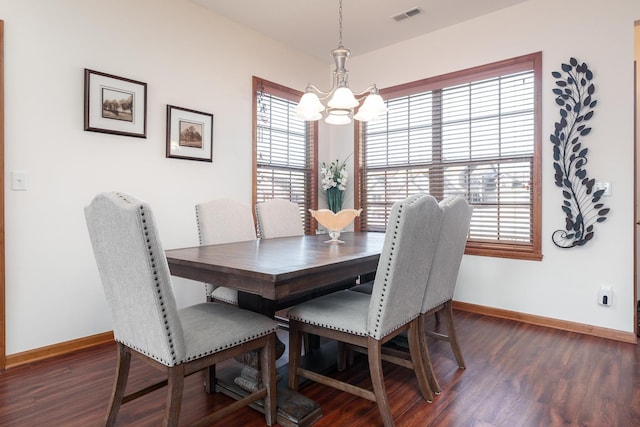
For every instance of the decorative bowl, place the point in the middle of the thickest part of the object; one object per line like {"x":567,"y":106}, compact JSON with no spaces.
{"x":335,"y":222}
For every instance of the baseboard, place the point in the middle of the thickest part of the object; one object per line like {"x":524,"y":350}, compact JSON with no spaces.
{"x":612,"y":334}
{"x":38,"y":354}
{"x":30,"y":356}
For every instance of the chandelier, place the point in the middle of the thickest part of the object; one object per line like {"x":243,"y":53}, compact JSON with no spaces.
{"x":340,"y":100}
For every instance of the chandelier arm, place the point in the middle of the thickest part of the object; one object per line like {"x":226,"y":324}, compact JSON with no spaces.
{"x":361,"y":95}
{"x":325,"y":95}
{"x":321,"y":95}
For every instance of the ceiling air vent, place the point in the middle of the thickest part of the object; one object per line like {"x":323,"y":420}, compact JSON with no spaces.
{"x":407,"y":14}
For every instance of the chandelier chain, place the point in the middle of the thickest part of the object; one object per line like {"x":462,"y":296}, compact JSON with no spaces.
{"x":340,"y":24}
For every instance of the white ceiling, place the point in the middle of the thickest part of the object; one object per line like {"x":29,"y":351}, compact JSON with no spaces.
{"x":312,"y":25}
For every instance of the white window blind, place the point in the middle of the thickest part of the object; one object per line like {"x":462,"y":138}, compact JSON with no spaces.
{"x":284,"y":151}
{"x":473,"y":139}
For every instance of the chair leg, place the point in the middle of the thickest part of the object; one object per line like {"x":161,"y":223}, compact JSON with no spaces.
{"x":268,"y":368}
{"x":210,"y":379}
{"x":422,"y":339}
{"x":374,"y":352}
{"x":417,"y":361}
{"x":342,"y":356}
{"x":451,"y":330}
{"x":119,"y":385}
{"x":295,"y":354}
{"x":174,"y":395}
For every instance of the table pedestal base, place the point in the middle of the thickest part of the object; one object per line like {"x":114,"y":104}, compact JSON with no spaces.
{"x":294,"y":409}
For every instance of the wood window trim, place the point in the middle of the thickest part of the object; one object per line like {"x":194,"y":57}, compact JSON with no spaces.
{"x":531,"y":61}
{"x":292,"y":95}
{"x":3,"y":348}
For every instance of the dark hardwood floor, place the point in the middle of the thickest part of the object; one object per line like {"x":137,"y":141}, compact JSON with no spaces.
{"x":517,"y":375}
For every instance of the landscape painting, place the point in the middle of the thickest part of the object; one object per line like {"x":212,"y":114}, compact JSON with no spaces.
{"x":114,"y":105}
{"x":189,"y":134}
{"x":117,"y":104}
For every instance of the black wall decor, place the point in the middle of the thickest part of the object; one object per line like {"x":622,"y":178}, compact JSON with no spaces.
{"x":573,"y":92}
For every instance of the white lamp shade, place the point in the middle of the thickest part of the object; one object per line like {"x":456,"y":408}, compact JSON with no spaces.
{"x":343,"y":98}
{"x":309,"y":104}
{"x":372,"y":107}
{"x":365,"y":116}
{"x":333,"y":119}
{"x":375,"y":104}
{"x":308,"y":116}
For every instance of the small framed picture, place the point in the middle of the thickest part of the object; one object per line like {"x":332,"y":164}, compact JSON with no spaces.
{"x":114,"y":104}
{"x":189,"y":134}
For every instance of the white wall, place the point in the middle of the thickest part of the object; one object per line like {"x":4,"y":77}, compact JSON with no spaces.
{"x":53,"y":292}
{"x":564,"y":285}
{"x":190,"y":58}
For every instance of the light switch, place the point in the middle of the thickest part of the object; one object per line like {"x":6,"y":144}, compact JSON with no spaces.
{"x":19,"y":181}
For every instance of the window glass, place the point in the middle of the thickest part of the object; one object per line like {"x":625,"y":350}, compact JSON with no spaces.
{"x":473,"y":134}
{"x":284,"y":148}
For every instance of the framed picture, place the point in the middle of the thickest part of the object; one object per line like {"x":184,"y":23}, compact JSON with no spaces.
{"x":114,"y":104}
{"x":189,"y":134}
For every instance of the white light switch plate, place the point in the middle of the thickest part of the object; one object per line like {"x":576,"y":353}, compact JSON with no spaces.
{"x":19,"y":181}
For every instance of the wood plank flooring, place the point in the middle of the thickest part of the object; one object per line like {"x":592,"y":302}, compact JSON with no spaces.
{"x":517,"y":375}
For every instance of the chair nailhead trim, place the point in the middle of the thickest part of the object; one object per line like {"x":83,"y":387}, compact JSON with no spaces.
{"x":230,"y":345}
{"x":385,"y":283}
{"x":322,"y":325}
{"x":156,"y":279}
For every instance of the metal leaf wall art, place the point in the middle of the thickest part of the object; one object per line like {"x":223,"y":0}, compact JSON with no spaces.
{"x":573,"y":92}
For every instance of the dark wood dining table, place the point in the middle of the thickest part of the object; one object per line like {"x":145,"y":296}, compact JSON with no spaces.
{"x":271,"y":274}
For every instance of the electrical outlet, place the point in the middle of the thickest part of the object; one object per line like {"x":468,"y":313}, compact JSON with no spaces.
{"x":605,"y":295}
{"x":606,"y":186}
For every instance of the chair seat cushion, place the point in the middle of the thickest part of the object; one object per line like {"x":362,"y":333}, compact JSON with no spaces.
{"x":225,"y":294}
{"x":211,"y":327}
{"x":365,"y":288}
{"x":341,"y":311}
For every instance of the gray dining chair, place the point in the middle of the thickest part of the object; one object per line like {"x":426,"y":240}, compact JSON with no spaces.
{"x":224,"y":221}
{"x":443,"y":276}
{"x":279,"y":218}
{"x":441,"y":283}
{"x":147,"y":323}
{"x":369,"y":321}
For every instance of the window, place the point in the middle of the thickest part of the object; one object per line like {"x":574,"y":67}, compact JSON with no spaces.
{"x":285,"y":149}
{"x":473,"y":134}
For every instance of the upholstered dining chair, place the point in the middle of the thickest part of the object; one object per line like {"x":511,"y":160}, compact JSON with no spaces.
{"x":278,"y":218}
{"x":443,"y":276}
{"x":369,"y":321}
{"x":441,"y":283}
{"x":147,"y":323}
{"x":224,"y":221}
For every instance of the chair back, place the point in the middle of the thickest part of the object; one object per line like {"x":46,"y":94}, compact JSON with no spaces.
{"x":224,"y":221}
{"x":446,"y":261}
{"x":279,"y":218}
{"x":406,"y":259}
{"x":135,"y":276}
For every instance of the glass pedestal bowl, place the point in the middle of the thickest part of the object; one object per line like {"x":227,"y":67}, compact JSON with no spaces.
{"x":334,"y":223}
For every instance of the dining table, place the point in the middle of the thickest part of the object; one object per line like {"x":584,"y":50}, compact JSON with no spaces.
{"x":272,"y":274}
